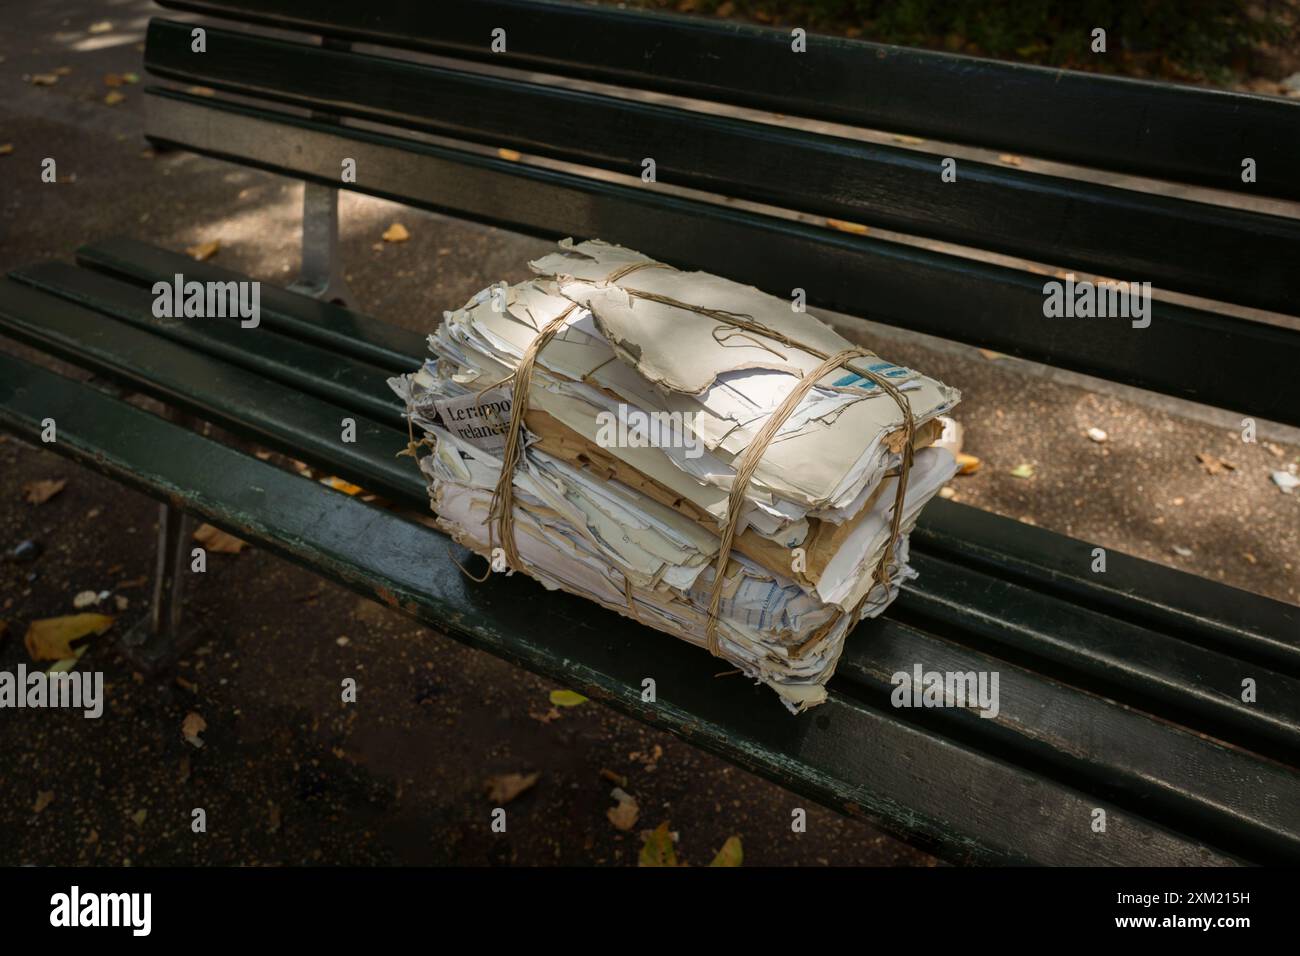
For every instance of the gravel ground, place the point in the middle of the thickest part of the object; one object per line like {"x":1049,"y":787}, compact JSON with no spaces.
{"x":288,"y":775}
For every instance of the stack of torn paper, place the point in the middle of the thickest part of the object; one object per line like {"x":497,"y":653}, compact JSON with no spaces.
{"x":637,"y":415}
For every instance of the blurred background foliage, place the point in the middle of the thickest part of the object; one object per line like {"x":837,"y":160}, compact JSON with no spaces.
{"x":1217,"y":41}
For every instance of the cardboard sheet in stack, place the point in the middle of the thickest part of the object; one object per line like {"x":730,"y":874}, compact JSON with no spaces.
{"x":647,"y":392}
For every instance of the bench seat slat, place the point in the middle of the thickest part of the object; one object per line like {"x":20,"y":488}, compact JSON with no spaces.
{"x":1185,"y":352}
{"x":1162,"y":130}
{"x":864,"y":761}
{"x":1189,"y":247}
{"x":240,"y":400}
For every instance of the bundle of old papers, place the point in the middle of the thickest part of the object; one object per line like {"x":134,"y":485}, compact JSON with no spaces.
{"x":684,"y":450}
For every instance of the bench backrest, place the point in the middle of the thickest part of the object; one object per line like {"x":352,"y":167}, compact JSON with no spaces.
{"x":388,"y":102}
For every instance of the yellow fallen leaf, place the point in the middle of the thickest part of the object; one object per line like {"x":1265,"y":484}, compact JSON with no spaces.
{"x":39,"y":492}
{"x":204,"y":250}
{"x":505,"y":787}
{"x":6,"y":149}
{"x":102,"y":26}
{"x":1022,"y":471}
{"x":201,"y":90}
{"x":509,"y":154}
{"x":1010,"y":159}
{"x":567,"y":698}
{"x":338,"y":484}
{"x":909,"y":140}
{"x":967,"y":464}
{"x":396,"y":233}
{"x":113,"y":98}
{"x":854,"y":227}
{"x":216,"y":540}
{"x":658,"y":849}
{"x":731,"y":853}
{"x":68,"y":663}
{"x":51,"y":639}
{"x":43,"y":799}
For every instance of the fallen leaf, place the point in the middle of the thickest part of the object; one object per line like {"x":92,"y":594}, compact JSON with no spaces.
{"x":505,"y":787}
{"x":909,"y":140}
{"x":1213,"y":464}
{"x":1273,"y":449}
{"x":567,"y":698}
{"x":1182,"y":552}
{"x":139,"y":817}
{"x":618,"y":779}
{"x":658,"y":849}
{"x":201,"y":90}
{"x":44,"y":79}
{"x":131,"y":77}
{"x":991,"y":355}
{"x":112,"y":99}
{"x":216,"y":540}
{"x":1022,"y":471}
{"x":626,"y":813}
{"x":43,"y":799}
{"x":731,"y":853}
{"x":51,"y":639}
{"x":112,"y":79}
{"x":509,"y":154}
{"x":6,"y":149}
{"x":121,"y":601}
{"x":854,"y":227}
{"x":967,"y":464}
{"x":191,"y":727}
{"x":39,"y":492}
{"x":396,"y":233}
{"x":103,"y":26}
{"x":68,"y":663}
{"x":204,"y":250}
{"x":338,"y":484}
{"x":546,"y":718}
{"x":1010,"y":159}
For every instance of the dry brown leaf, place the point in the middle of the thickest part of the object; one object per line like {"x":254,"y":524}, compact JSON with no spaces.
{"x":626,"y":813}
{"x":113,"y":79}
{"x":731,"y":853}
{"x":1213,"y":464}
{"x":43,"y":799}
{"x":192,"y":726}
{"x":396,"y":233}
{"x":204,"y":250}
{"x":214,"y":539}
{"x":505,"y":787}
{"x":854,"y":227}
{"x":967,"y":464}
{"x":51,"y":639}
{"x":39,"y":492}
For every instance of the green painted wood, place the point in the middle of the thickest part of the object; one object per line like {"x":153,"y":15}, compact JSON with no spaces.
{"x":1186,"y":352}
{"x":1190,"y":247}
{"x":1181,"y":778}
{"x":1161,"y":130}
{"x":342,"y":380}
{"x":851,"y":756}
{"x":242,"y":401}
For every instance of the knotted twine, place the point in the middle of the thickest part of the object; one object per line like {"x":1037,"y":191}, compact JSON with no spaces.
{"x":501,"y":510}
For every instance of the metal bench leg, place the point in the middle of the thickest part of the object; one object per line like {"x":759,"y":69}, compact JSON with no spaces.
{"x":322,"y":276}
{"x":152,"y":643}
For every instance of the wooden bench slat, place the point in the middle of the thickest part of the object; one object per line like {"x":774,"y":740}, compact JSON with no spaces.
{"x":282,"y":417}
{"x":1161,"y":130}
{"x":864,"y":761}
{"x":1185,"y":352}
{"x":1101,"y":746}
{"x":346,"y":381}
{"x":1189,"y":247}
